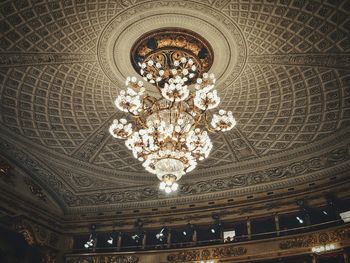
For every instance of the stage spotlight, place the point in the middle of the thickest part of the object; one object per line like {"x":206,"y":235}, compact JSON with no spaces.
{"x":188,"y":231}
{"x":90,"y":242}
{"x":135,"y":237}
{"x":301,"y":221}
{"x":217,"y":227}
{"x":110,"y":240}
{"x":161,"y":235}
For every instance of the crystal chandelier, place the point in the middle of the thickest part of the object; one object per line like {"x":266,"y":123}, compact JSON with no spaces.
{"x":169,"y":132}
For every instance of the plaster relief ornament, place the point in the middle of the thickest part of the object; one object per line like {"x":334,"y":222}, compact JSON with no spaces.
{"x":169,"y":131}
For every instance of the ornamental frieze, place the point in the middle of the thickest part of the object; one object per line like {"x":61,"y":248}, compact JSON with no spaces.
{"x":103,"y":259}
{"x":205,"y":254}
{"x":9,"y":59}
{"x":329,"y":159}
{"x":317,"y":60}
{"x":316,"y":239}
{"x":35,"y":189}
{"x":35,"y":234}
{"x":228,"y":251}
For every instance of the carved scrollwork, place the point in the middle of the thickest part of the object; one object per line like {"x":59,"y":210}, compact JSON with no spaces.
{"x":5,"y":172}
{"x":205,"y":254}
{"x":329,"y":159}
{"x":326,"y":160}
{"x":26,"y":231}
{"x":35,"y":234}
{"x":103,"y":259}
{"x":315,"y":239}
{"x":35,"y":189}
{"x":185,"y":256}
{"x":299,"y":242}
{"x":230,"y":251}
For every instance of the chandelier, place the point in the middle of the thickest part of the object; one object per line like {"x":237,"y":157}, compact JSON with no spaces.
{"x":170,"y":130}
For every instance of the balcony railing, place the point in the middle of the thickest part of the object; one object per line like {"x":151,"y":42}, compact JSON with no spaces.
{"x":207,"y":242}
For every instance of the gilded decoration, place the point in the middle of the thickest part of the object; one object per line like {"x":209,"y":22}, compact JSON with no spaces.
{"x":206,"y":254}
{"x":35,"y":189}
{"x":103,"y":259}
{"x":123,"y":198}
{"x":23,"y":228}
{"x":314,"y":239}
{"x":35,"y":234}
{"x":167,"y":45}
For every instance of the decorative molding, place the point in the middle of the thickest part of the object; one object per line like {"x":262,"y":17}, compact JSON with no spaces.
{"x":26,"y":231}
{"x":35,"y":189}
{"x":19,"y":59}
{"x":338,"y":61}
{"x":314,"y":239}
{"x":140,"y":15}
{"x":293,"y":170}
{"x":36,"y":234}
{"x":122,"y":198}
{"x":90,"y":147}
{"x":102,"y":259}
{"x":228,"y":251}
{"x":33,"y":167}
{"x":185,"y":43}
{"x":208,"y":253}
{"x":5,"y":172}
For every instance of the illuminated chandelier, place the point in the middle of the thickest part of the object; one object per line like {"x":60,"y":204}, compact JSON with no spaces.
{"x":169,"y":133}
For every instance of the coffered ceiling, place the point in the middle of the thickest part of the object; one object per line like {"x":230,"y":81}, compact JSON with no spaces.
{"x":283,"y":67}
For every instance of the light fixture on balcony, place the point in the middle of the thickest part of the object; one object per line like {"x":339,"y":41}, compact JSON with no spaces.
{"x":90,"y":242}
{"x":169,"y":133}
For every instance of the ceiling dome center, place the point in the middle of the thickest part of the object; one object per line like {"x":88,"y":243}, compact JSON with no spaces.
{"x":167,"y":45}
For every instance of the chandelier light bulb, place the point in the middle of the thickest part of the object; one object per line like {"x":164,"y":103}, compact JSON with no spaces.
{"x":168,"y":190}
{"x":162,"y":185}
{"x":174,"y":187}
{"x":169,"y":133}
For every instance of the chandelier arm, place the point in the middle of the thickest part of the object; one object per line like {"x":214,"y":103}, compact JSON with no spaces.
{"x":139,"y":122}
{"x":151,"y":99}
{"x":159,"y":89}
{"x":190,"y":97}
{"x":211,"y":130}
{"x":200,"y":116}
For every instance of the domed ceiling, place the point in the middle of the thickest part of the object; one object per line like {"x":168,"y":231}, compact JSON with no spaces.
{"x":283,"y":68}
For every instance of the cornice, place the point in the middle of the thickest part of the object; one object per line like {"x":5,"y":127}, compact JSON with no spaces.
{"x":340,"y":138}
{"x":312,"y":169}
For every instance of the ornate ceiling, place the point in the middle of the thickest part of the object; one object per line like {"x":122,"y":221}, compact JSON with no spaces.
{"x":283,"y":67}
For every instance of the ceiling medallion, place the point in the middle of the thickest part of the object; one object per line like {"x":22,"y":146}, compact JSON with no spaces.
{"x":169,"y":133}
